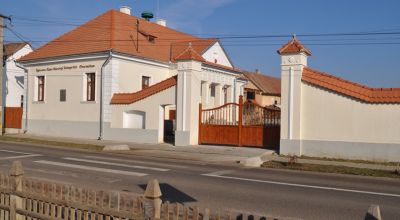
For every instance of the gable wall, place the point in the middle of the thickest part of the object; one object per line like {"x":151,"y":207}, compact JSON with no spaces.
{"x":216,"y":52}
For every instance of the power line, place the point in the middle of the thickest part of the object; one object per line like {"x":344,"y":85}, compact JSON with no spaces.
{"x":230,"y":36}
{"x":19,"y":36}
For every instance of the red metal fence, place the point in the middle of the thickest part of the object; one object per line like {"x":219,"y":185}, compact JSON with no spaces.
{"x":243,"y":124}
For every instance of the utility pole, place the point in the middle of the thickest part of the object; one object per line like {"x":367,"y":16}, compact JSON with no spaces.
{"x":2,"y":26}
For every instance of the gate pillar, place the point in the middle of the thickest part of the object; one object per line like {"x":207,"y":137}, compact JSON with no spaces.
{"x":188,"y":99}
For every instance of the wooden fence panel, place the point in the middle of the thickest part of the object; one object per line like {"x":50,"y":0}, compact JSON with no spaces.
{"x":36,"y":199}
{"x":13,"y":117}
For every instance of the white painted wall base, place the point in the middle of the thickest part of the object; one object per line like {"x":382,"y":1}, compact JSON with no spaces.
{"x":182,"y":138}
{"x":383,"y":152}
{"x":13,"y":131}
{"x":290,"y":147}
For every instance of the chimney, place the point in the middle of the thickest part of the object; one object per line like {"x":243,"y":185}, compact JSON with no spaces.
{"x":258,"y":71}
{"x":162,"y":22}
{"x":125,"y":10}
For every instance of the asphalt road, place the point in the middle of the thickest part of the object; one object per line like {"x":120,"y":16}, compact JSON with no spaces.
{"x":295,"y":194}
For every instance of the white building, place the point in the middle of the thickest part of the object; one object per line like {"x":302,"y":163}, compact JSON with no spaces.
{"x":120,"y":77}
{"x":13,"y":84}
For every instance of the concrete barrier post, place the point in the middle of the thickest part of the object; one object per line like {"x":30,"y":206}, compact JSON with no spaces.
{"x":153,"y":199}
{"x":374,"y":213}
{"x":16,"y":175}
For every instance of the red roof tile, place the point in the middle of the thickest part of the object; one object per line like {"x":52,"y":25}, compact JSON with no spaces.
{"x":129,"y":98}
{"x":267,"y":84}
{"x":294,"y":46}
{"x":357,"y":91}
{"x":189,"y":54}
{"x":11,"y":48}
{"x":118,"y":31}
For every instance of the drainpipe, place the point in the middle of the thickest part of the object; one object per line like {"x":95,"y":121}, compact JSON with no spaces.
{"x":26,"y":88}
{"x":102,"y":94}
{"x":234,"y":90}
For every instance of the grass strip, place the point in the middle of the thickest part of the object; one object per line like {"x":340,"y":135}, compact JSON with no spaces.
{"x":52,"y":143}
{"x":350,"y":160}
{"x":332,"y":169}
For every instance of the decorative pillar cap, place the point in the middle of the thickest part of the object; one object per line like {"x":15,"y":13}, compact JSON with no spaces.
{"x":17,"y":169}
{"x":153,"y":190}
{"x":294,"y":46}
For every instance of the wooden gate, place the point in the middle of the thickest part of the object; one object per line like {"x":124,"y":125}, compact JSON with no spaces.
{"x":243,"y":124}
{"x":13,"y":117}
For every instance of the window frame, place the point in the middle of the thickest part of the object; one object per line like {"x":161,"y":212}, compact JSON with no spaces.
{"x":253,"y":94}
{"x":213,"y":88}
{"x":225,"y":94}
{"x":145,"y":79}
{"x":90,"y":87}
{"x":41,"y":80}
{"x":63,"y":95}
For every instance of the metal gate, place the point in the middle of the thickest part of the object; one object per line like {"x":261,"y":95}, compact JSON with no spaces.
{"x":243,"y":124}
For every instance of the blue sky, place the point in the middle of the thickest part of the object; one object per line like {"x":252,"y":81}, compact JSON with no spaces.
{"x":373,"y":65}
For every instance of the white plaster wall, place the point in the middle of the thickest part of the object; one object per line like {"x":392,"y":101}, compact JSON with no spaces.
{"x":111,"y":85}
{"x":75,"y":108}
{"x":220,"y":78}
{"x":216,"y":52}
{"x":149,"y":105}
{"x":131,"y":72}
{"x":326,"y":115}
{"x":14,"y":78}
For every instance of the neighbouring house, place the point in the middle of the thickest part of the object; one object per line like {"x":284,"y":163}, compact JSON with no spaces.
{"x":13,"y":85}
{"x":121,"y":77}
{"x":326,"y":116}
{"x":264,"y":90}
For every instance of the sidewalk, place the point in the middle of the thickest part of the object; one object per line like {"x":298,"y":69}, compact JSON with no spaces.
{"x":205,"y":153}
{"x":364,"y":165}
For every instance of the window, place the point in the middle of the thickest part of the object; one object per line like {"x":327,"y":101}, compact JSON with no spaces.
{"x":145,"y":82}
{"x":212,"y":90}
{"x":22,"y":101}
{"x":40,"y":95}
{"x":225,"y":91}
{"x":250,"y":95}
{"x":63,"y":95}
{"x":90,"y":86}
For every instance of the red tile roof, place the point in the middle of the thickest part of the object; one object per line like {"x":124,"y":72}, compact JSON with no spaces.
{"x":294,"y":46}
{"x":129,"y":98}
{"x":354,"y":90}
{"x":118,"y":31}
{"x":11,"y":48}
{"x":189,"y":54}
{"x":267,"y":84}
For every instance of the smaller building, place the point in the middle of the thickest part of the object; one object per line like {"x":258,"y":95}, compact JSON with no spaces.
{"x":264,"y":90}
{"x":327,"y":116}
{"x":13,"y":85}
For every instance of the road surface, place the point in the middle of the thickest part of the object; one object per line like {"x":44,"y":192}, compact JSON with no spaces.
{"x":295,"y":194}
